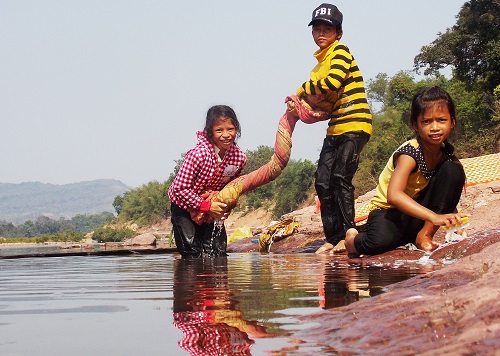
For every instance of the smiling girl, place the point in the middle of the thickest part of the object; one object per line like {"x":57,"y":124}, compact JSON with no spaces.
{"x":209,"y":166}
{"x":419,"y":188}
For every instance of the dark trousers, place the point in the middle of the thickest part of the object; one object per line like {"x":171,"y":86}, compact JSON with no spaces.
{"x":193,"y":240}
{"x":337,"y":164}
{"x":387,"y":229}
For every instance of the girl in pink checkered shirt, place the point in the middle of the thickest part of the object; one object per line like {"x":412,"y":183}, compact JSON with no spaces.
{"x":209,"y":166}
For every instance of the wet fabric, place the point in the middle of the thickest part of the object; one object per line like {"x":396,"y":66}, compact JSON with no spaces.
{"x":276,"y":232}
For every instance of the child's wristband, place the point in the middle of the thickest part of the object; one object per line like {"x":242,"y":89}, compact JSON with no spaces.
{"x":205,"y":206}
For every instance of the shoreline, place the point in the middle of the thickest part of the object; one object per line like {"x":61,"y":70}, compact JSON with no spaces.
{"x":453,"y":310}
{"x":29,"y":244}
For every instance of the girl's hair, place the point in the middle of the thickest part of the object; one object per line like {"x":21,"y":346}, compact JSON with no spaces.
{"x":423,"y":100}
{"x":427,"y":97}
{"x":214,"y":114}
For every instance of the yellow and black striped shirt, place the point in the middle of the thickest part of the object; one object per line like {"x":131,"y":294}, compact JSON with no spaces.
{"x":339,"y":79}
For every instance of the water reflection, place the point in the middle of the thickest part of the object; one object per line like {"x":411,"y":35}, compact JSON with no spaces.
{"x":342,"y":283}
{"x":205,"y":312}
{"x":232,"y":305}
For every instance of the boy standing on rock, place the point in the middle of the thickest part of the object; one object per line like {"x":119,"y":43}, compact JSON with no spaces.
{"x":336,"y":85}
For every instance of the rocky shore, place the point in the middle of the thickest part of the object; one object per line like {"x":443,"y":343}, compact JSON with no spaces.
{"x":453,"y":311}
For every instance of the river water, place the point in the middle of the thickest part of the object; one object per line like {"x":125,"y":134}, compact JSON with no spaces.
{"x":245,"y":304}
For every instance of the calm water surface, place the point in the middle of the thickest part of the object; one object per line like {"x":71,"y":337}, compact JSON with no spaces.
{"x":246,"y":304}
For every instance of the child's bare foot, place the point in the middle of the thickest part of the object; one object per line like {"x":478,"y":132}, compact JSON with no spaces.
{"x":325,"y":248}
{"x":340,"y":247}
{"x":349,"y":243}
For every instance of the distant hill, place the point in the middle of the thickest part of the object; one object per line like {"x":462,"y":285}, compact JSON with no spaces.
{"x":28,"y":201}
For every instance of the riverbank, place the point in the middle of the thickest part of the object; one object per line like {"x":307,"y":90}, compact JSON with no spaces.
{"x":454,"y":310}
{"x":479,"y":201}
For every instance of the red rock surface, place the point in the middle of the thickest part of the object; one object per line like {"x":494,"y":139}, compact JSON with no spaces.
{"x":454,"y":310}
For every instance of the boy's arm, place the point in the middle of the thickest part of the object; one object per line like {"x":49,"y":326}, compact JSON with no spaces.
{"x":339,"y":69}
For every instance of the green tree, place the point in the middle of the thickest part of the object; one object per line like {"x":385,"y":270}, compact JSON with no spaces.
{"x":293,"y":186}
{"x":102,"y":234}
{"x":471,"y":47}
{"x":7,"y":229}
{"x":118,"y":204}
{"x":145,"y":204}
{"x":477,"y":132}
{"x":400,"y":91}
{"x":45,"y":226}
{"x":264,"y":194}
{"x":257,"y":158}
{"x":84,"y":223}
{"x":377,"y":88}
{"x":496,"y":104}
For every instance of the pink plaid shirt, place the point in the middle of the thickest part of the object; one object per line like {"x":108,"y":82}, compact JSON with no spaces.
{"x":202,"y":171}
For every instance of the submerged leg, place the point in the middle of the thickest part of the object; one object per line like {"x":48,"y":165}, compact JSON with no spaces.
{"x":186,"y":233}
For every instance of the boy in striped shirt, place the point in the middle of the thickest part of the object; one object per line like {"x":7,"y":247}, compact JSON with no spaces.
{"x":336,"y":85}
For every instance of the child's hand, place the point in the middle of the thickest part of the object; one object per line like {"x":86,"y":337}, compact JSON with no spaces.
{"x":456,"y":232}
{"x":290,"y":106}
{"x":225,"y":215}
{"x":448,"y":221}
{"x":218,"y":210}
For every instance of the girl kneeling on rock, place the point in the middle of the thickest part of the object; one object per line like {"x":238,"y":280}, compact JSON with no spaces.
{"x":420,"y":186}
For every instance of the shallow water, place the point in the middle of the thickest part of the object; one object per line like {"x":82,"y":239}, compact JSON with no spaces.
{"x":245,"y":304}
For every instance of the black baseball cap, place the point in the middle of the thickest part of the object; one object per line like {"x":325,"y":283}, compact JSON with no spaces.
{"x":327,"y":13}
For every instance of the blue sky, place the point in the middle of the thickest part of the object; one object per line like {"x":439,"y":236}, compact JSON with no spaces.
{"x":117,"y":89}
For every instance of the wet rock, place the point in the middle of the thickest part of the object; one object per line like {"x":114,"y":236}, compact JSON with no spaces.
{"x":468,"y":246}
{"x":454,"y":310}
{"x":146,"y":239}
